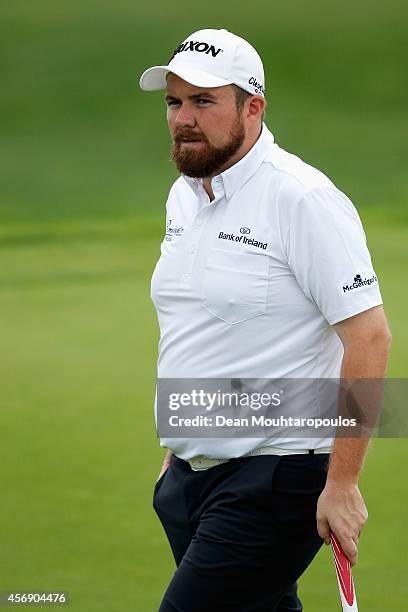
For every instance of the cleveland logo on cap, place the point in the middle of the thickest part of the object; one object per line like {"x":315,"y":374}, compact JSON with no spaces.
{"x":200,"y":47}
{"x":259,"y":88}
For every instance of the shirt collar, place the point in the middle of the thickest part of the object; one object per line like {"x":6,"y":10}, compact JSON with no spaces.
{"x":237,"y":175}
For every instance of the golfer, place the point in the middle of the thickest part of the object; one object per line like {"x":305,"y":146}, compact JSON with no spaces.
{"x":264,"y":273}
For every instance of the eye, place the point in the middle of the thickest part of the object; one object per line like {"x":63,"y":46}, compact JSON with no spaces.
{"x":172,"y":102}
{"x":201,"y":101}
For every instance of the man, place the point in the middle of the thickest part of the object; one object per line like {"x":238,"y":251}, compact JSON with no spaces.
{"x":295,"y":297}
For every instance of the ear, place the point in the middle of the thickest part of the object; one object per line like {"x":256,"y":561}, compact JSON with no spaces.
{"x":256,"y":107}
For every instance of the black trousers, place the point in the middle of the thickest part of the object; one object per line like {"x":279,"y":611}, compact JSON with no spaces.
{"x":241,"y":533}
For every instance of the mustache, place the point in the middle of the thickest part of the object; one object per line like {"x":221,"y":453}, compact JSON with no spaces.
{"x":186,"y":134}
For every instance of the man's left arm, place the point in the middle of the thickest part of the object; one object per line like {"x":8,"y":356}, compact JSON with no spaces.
{"x":341,"y":509}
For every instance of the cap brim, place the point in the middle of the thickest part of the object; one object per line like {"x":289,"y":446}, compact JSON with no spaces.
{"x":154,"y":78}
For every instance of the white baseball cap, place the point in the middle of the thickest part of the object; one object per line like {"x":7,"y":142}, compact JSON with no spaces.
{"x":211,"y":58}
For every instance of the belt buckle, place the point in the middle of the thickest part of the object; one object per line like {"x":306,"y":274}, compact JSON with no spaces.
{"x":201,"y":463}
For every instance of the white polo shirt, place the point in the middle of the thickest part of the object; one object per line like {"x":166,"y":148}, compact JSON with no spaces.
{"x":250,"y":284}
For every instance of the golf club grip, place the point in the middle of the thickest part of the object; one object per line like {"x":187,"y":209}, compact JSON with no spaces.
{"x":344,"y":577}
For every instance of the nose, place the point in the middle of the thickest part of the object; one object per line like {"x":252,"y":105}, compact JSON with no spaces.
{"x":185,"y":116}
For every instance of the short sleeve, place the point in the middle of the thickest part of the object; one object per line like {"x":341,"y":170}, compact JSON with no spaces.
{"x":328,"y":254}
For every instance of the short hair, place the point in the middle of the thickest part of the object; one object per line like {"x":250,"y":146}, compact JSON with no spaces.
{"x":241,"y":96}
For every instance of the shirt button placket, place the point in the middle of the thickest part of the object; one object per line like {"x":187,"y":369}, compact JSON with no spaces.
{"x":191,"y":249}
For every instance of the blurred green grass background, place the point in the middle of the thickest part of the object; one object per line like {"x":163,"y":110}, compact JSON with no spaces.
{"x":84,"y":174}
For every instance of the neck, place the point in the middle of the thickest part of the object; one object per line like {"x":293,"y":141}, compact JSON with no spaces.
{"x":246,"y":146}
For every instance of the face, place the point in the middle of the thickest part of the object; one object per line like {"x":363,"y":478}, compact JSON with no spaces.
{"x":206,"y":127}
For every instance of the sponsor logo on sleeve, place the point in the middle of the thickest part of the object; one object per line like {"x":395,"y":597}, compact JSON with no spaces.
{"x":172,"y":230}
{"x":359,"y":281}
